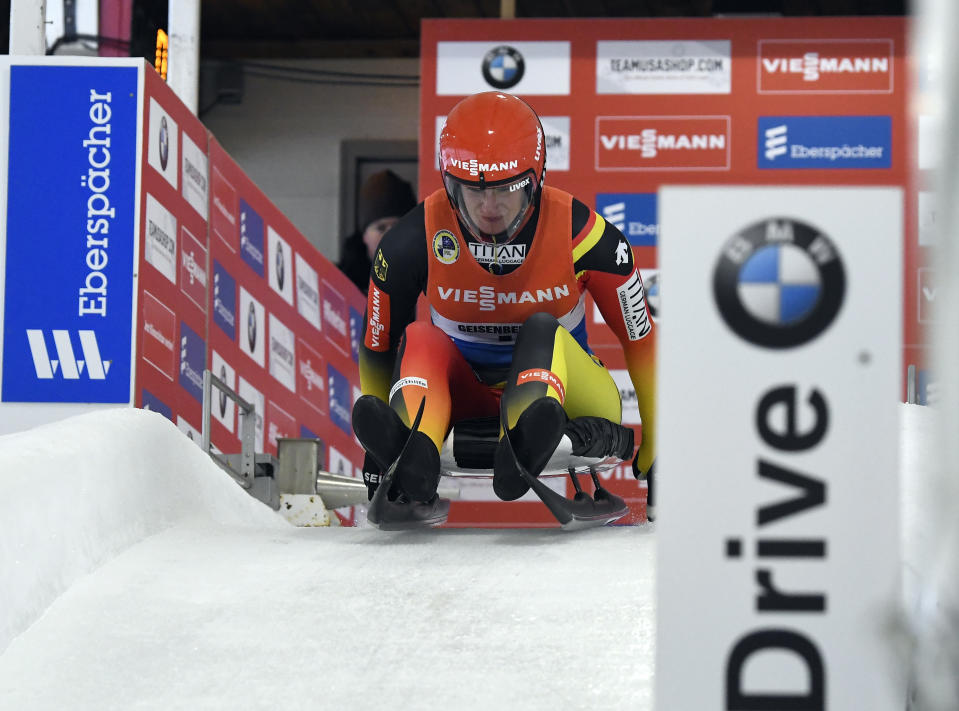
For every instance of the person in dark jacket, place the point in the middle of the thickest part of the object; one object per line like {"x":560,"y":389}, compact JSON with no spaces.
{"x":383,"y":199}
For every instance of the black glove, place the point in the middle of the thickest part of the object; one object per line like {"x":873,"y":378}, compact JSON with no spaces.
{"x":371,"y":475}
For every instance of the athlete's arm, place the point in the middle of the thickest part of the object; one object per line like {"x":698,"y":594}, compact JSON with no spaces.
{"x":603,"y":261}
{"x":397,"y":278}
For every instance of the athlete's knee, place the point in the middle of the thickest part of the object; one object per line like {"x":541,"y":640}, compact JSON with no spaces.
{"x":424,"y":334}
{"x":539,"y":327}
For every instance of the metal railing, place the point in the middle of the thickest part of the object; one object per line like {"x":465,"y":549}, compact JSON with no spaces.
{"x":241,"y":467}
{"x":295,"y":471}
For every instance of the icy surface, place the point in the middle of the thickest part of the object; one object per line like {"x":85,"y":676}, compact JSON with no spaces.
{"x":75,"y":493}
{"x":135,"y":574}
{"x":141,"y":576}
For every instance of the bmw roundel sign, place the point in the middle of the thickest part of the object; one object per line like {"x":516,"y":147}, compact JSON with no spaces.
{"x":777,"y":374}
{"x":503,"y":67}
{"x":251,"y":327}
{"x":779,"y":283}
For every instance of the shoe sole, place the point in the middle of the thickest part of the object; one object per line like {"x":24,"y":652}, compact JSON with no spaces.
{"x":397,"y":519}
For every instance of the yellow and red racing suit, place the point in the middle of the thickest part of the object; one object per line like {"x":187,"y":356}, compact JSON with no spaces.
{"x":480,"y":294}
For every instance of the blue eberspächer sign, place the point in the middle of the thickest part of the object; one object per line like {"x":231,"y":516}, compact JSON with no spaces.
{"x":790,"y":142}
{"x":192,"y":357}
{"x":633,"y":213}
{"x":224,"y":300}
{"x":356,"y":333}
{"x":340,"y":398}
{"x":68,"y":308}
{"x":251,"y":237}
{"x":152,"y":402}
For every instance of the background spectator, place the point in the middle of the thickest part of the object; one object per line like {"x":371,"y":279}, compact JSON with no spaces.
{"x":384,"y":198}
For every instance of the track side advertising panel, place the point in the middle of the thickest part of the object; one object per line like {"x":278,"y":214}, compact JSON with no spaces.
{"x":285,"y":326}
{"x":779,"y":373}
{"x":629,"y":105}
{"x":70,"y":226}
{"x":174,"y":266}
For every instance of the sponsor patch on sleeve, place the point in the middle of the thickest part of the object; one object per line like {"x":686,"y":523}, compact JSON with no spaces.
{"x":632,"y":302}
{"x":380,"y":266}
{"x":378,"y":323}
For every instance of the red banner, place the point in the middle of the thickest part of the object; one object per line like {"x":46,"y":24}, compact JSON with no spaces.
{"x":227,"y":283}
{"x":172,"y":272}
{"x":629,"y":105}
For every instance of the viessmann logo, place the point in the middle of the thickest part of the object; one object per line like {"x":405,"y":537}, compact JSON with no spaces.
{"x":336,"y":316}
{"x":378,"y":326}
{"x":313,"y":380}
{"x":311,"y":375}
{"x":662,"y":143}
{"x":193,"y":275}
{"x":475,"y":167}
{"x":825,"y":66}
{"x":489,"y":298}
{"x":544,"y":376}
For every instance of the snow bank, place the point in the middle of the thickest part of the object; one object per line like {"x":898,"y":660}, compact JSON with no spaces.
{"x":75,"y":493}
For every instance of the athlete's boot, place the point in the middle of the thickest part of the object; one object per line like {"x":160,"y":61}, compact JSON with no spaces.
{"x":534,"y":438}
{"x":411,"y":501}
{"x":418,"y":469}
{"x":380,"y":431}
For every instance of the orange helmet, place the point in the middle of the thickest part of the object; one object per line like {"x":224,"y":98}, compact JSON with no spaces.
{"x":493,"y":161}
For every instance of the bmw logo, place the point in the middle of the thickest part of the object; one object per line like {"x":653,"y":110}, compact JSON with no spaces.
{"x":222,"y":394}
{"x":164,"y":143}
{"x":280,"y":273}
{"x":779,"y":283}
{"x":251,"y":328}
{"x":503,"y":67}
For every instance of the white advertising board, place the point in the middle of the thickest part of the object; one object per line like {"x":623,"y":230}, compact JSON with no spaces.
{"x":779,"y":378}
{"x":663,"y":67}
{"x":522,"y":68}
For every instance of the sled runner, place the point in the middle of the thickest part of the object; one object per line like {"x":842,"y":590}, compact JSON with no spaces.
{"x":587,"y":446}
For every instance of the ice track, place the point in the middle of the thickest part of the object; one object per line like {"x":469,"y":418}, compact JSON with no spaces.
{"x":136,"y":575}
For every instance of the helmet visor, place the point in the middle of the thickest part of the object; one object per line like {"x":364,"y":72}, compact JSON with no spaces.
{"x":493,"y":212}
